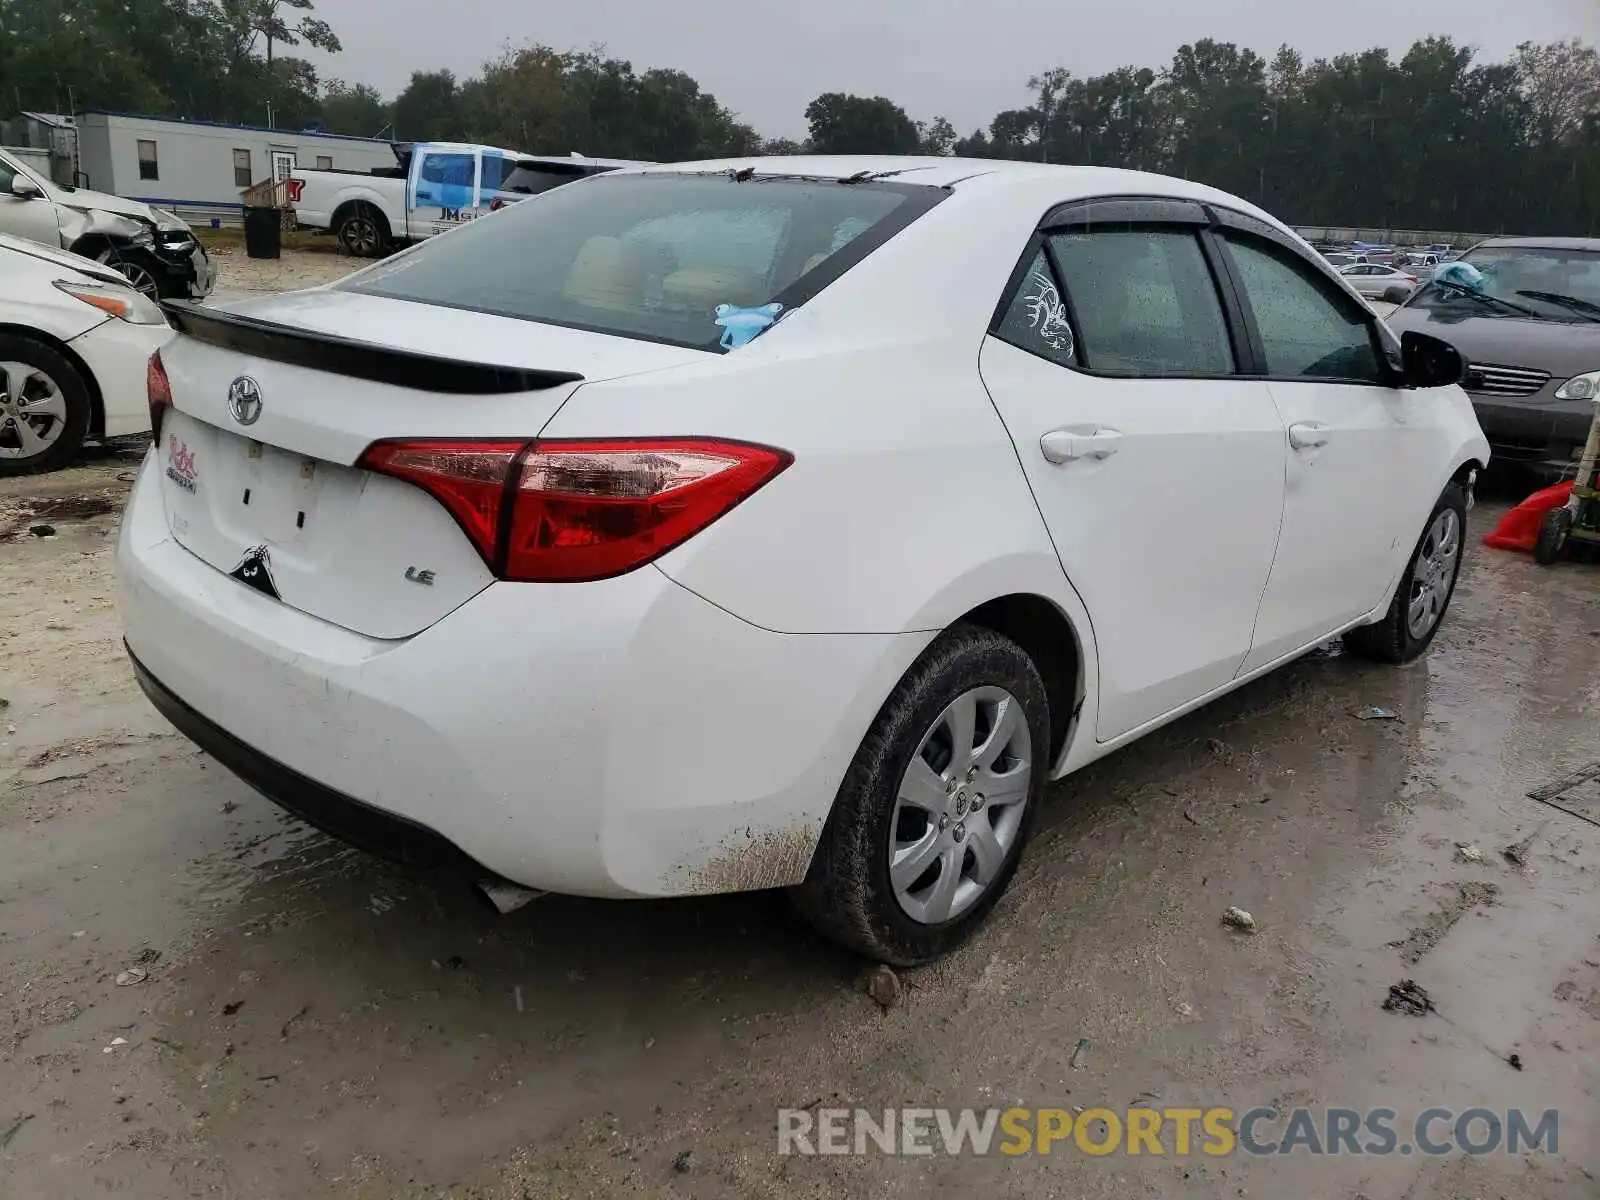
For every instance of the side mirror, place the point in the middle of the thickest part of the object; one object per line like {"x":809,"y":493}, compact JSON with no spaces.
{"x":25,"y":189}
{"x":1429,"y":361}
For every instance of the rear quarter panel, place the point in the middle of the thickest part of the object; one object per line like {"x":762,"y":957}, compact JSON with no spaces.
{"x":905,"y":505}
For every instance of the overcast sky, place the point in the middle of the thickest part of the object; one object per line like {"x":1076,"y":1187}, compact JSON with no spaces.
{"x":964,"y":59}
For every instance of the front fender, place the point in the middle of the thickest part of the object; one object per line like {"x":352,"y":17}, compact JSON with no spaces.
{"x":1472,"y":453}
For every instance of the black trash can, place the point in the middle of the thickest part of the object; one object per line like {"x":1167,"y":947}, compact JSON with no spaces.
{"x":263,"y":231}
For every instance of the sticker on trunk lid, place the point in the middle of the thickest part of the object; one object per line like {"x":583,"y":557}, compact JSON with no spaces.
{"x":180,"y":465}
{"x":255,"y":570}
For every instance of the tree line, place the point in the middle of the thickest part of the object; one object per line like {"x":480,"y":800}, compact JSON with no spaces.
{"x":1436,"y":138}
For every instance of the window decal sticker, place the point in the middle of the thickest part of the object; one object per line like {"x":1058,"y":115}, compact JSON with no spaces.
{"x":1047,"y":315}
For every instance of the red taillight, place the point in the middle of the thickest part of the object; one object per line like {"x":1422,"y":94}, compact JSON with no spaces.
{"x":570,"y":511}
{"x":158,"y":390}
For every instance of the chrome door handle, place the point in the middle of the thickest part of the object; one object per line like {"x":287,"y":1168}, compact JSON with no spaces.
{"x":1308,"y":435}
{"x":1073,"y":445}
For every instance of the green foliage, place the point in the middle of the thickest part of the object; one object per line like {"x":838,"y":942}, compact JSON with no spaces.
{"x":842,"y":124}
{"x":1434,"y":140}
{"x":359,"y":110}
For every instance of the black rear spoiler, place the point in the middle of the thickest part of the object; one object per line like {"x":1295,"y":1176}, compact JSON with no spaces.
{"x":359,"y":360}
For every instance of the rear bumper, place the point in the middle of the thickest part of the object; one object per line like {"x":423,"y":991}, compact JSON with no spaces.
{"x":344,"y":817}
{"x":620,"y":738}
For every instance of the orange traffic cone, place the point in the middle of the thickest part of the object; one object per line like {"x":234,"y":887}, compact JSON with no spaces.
{"x":1519,"y":528}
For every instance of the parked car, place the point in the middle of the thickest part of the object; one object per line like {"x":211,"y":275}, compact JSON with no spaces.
{"x":1532,"y":340}
{"x":434,"y":187}
{"x":532,"y":176}
{"x":1378,"y":282}
{"x":74,"y":342}
{"x":724,"y":544}
{"x":154,"y":249}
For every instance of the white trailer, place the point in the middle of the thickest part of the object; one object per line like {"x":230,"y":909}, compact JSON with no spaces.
{"x":198,"y":168}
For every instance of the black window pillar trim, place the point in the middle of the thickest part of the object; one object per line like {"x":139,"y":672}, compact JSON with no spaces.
{"x":1242,"y":328}
{"x":1019,"y":272}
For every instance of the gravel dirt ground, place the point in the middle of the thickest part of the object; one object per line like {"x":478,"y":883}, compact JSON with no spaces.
{"x":308,"y":262}
{"x":300,"y":1020}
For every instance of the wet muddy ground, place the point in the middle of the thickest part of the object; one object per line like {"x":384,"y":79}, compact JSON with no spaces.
{"x":299,"y":1020}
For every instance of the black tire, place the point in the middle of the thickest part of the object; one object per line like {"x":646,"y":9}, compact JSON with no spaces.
{"x":65,"y":445}
{"x":363,"y":231}
{"x":847,"y":894}
{"x":1553,"y":532}
{"x":1391,"y":639}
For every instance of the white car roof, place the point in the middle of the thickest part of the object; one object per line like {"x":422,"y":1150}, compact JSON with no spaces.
{"x":1071,"y":182}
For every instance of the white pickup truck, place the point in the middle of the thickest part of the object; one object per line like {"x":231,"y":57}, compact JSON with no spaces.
{"x":152,"y":248}
{"x":433,"y":187}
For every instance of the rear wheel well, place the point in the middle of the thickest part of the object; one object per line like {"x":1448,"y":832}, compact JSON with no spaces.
{"x":97,"y":408}
{"x":1046,"y":636}
{"x":351,"y":207}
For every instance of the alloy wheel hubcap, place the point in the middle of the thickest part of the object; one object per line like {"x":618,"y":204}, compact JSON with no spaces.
{"x":33,"y":412}
{"x":143,"y":282}
{"x":1434,"y":573}
{"x":960,"y":805}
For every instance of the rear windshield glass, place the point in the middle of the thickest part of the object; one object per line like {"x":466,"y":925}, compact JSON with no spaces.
{"x":529,"y":179}
{"x":656,"y":256}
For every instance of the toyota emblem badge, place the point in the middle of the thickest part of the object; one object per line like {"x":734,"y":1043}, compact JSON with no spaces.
{"x":244,"y":400}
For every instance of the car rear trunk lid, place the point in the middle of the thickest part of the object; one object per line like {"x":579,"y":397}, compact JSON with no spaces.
{"x":263,"y":486}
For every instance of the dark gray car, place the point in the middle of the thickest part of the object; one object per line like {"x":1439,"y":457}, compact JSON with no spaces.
{"x":1532,"y":339}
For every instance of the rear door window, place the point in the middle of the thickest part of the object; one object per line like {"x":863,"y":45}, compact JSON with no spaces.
{"x":657,"y":255}
{"x":1143,"y":301}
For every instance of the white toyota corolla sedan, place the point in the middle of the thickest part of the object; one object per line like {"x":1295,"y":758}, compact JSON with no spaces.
{"x":74,"y":340}
{"x":777,"y":523}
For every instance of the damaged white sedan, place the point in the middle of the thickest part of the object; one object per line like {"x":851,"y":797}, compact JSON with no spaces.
{"x":777,"y":523}
{"x":75,"y":341}
{"x":153,"y":249}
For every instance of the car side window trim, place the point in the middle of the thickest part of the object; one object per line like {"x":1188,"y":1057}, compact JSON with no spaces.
{"x":1249,"y":228}
{"x":1123,"y":210}
{"x":1249,"y":359}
